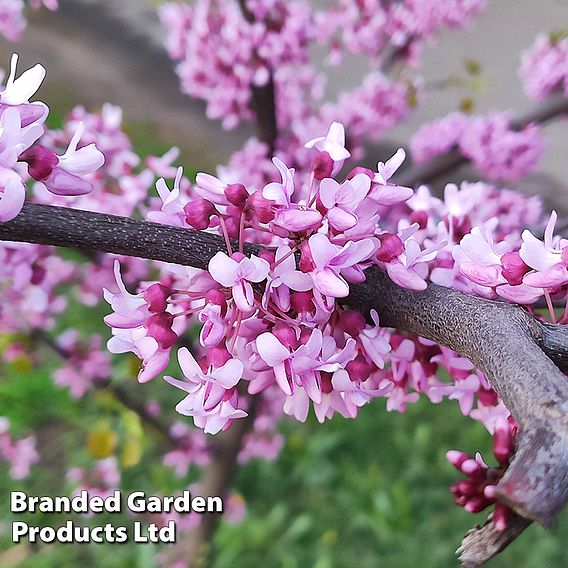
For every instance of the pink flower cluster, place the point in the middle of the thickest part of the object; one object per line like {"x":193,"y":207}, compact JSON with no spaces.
{"x":369,"y":26}
{"x":520,"y":271}
{"x":272,"y":322}
{"x":21,"y":125}
{"x":12,"y":18}
{"x":85,"y":363}
{"x":498,"y":151}
{"x":544,"y":67}
{"x":204,"y":36}
{"x":20,"y":454}
{"x":101,"y":480}
{"x":478,"y":490}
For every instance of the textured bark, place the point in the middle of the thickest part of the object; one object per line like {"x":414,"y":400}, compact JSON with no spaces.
{"x":520,"y":356}
{"x":481,"y":543}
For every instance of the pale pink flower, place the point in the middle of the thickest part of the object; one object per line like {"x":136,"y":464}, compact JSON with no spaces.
{"x":238,"y":276}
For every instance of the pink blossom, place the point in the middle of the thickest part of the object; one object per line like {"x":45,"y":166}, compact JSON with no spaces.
{"x":207,"y":400}
{"x":549,"y":259}
{"x":330,"y":260}
{"x":238,"y":276}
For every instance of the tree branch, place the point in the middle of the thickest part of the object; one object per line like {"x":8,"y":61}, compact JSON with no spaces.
{"x":554,"y":105}
{"x":520,"y":356}
{"x":482,"y":543}
{"x":263,"y":100}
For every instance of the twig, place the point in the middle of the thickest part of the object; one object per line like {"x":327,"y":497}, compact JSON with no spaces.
{"x":263,"y":100}
{"x":119,"y":393}
{"x":554,"y":105}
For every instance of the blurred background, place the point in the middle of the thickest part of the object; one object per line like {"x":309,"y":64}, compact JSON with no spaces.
{"x":370,"y":492}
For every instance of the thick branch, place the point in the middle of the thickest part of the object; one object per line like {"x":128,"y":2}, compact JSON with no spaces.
{"x":217,"y":478}
{"x":518,"y":354}
{"x":503,"y":341}
{"x":482,"y":543}
{"x":555,"y":344}
{"x":553,"y":106}
{"x":61,"y":226}
{"x":263,"y":100}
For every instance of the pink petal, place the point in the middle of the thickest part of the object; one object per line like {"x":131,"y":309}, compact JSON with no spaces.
{"x":296,"y":219}
{"x":555,"y":276}
{"x":271,"y":351}
{"x":229,"y":374}
{"x":341,"y":219}
{"x":188,"y":364}
{"x":223,"y":269}
{"x":330,"y":284}
{"x":12,"y":200}
{"x":327,"y":192}
{"x":322,"y":250}
{"x":405,"y":277}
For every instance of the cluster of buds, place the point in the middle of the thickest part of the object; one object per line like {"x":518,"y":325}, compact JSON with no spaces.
{"x":479,"y":489}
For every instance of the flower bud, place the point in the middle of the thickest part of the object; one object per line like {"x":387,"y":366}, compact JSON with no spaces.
{"x":302,"y":302}
{"x":156,"y":296}
{"x":322,"y":165}
{"x":159,"y":327}
{"x":41,"y":161}
{"x":391,"y":247}
{"x":264,"y":209}
{"x":198,"y":213}
{"x":236,"y":194}
{"x":513,"y":268}
{"x":352,"y":322}
{"x":358,"y":369}
{"x":217,"y":356}
{"x":420,"y":217}
{"x":285,"y":334}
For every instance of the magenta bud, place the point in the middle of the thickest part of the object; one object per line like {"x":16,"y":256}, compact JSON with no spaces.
{"x":306,"y":263}
{"x":358,"y":369}
{"x":420,"y":217}
{"x":238,"y":256}
{"x":215,"y":297}
{"x":264,"y":209}
{"x":471,"y":467}
{"x":236,"y":194}
{"x":322,"y":165}
{"x":487,"y":397}
{"x":268,"y":255}
{"x":159,"y":327}
{"x":352,"y":322}
{"x":198,"y":212}
{"x":360,"y":170}
{"x":285,"y":334}
{"x":391,"y":247}
{"x":38,"y":274}
{"x":490,"y":491}
{"x":302,"y":302}
{"x":457,"y":458}
{"x":326,"y":386}
{"x":233,"y":226}
{"x":502,"y":444}
{"x":217,"y":356}
{"x":501,"y":516}
{"x":468,"y":487}
{"x":476,"y":504}
{"x":513,"y":268}
{"x":156,"y":296}
{"x":41,"y":161}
